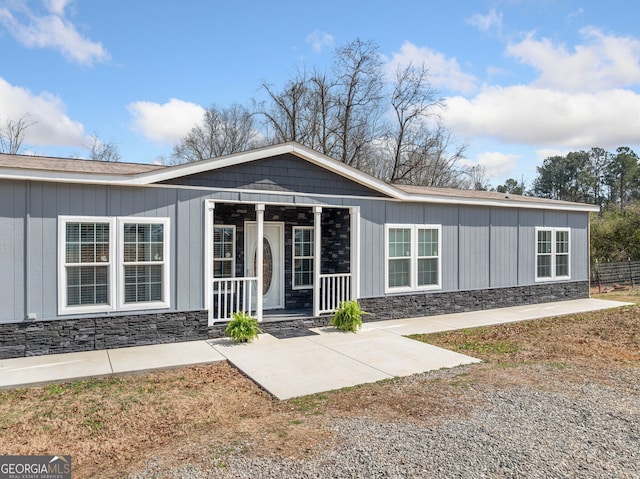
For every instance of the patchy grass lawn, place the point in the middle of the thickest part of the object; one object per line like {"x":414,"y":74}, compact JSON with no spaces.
{"x":113,"y":426}
{"x":601,"y":337}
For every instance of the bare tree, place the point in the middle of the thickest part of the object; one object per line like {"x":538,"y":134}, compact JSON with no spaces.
{"x":13,"y":133}
{"x":222,"y":132}
{"x":358,"y":70}
{"x":438,"y":158}
{"x":477,"y":178}
{"x":413,"y":101}
{"x":286,"y":117}
{"x":322,"y":114}
{"x":102,"y":151}
{"x":342,"y":115}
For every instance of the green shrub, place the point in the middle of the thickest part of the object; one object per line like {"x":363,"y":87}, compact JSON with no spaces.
{"x":348,"y":316}
{"x":243,"y":327}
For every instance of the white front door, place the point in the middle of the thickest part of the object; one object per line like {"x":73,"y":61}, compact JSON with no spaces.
{"x":272,"y":261}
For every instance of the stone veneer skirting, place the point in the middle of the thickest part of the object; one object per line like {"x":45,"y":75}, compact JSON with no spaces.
{"x":35,"y":338}
{"x":431,"y":304}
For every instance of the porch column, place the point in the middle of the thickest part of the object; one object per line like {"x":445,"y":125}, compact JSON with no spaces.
{"x":209,"y":221}
{"x":354,"y":260}
{"x":259,"y":257}
{"x":317,"y":260}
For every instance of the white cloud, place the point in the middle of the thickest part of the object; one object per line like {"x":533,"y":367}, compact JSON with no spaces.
{"x":51,"y":31}
{"x":51,"y":125}
{"x":543,"y":117}
{"x":165,"y":123}
{"x":56,"y":6}
{"x":444,"y":72}
{"x":497,"y":164}
{"x":602,"y":62}
{"x":484,"y":23}
{"x":319,"y":39}
{"x":544,"y":153}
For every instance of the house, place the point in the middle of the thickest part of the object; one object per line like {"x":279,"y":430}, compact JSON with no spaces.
{"x":97,"y":255}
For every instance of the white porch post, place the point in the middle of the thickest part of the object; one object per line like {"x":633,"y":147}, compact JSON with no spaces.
{"x":209,"y":211}
{"x":259,"y":257}
{"x":317,"y":260}
{"x":354,"y":216}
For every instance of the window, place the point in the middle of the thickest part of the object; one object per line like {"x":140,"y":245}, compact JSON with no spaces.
{"x":399,"y":257}
{"x":143,"y":263}
{"x":224,"y":255}
{"x":104,"y":267}
{"x":87,"y":264}
{"x":303,"y":259}
{"x":428,"y":257}
{"x":412,"y":257}
{"x":552,"y":254}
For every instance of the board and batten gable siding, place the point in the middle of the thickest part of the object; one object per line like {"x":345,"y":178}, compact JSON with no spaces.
{"x":286,"y":173}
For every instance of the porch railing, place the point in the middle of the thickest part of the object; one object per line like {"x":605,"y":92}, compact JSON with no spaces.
{"x":334,"y":288}
{"x":231,"y":295}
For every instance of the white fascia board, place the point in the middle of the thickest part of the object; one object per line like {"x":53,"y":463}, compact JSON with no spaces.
{"x":187,"y":169}
{"x":499,"y":203}
{"x":59,"y":176}
{"x":301,"y":151}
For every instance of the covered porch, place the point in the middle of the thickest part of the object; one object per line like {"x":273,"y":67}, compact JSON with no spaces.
{"x":308,"y":255}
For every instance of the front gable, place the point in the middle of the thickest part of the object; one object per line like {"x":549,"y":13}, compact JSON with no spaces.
{"x":281,"y":173}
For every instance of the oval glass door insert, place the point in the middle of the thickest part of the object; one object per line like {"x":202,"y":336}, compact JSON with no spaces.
{"x":267,"y":265}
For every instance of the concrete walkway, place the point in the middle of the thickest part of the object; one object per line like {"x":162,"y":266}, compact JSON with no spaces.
{"x":295,"y":366}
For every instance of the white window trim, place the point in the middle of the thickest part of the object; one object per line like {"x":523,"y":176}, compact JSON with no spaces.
{"x":553,"y":276}
{"x":166,"y":273}
{"x":115,"y":265}
{"x":413,"y":263}
{"x":232,"y":260}
{"x":62,"y":265}
{"x":294,"y":257}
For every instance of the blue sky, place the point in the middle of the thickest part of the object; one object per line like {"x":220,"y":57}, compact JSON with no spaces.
{"x":522,"y":79}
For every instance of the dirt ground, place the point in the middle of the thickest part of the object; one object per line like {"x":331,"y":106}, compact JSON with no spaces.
{"x":113,"y":426}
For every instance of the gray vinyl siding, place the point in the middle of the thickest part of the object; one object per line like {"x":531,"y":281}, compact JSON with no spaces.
{"x":481,"y":247}
{"x":46,"y":202}
{"x":503,"y":253}
{"x":12,"y":255}
{"x":473,"y":248}
{"x":579,"y":224}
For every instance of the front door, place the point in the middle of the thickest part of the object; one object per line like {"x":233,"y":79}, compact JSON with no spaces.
{"x":272,"y":261}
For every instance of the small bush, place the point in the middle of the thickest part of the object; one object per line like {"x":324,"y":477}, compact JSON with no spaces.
{"x":348,"y":316}
{"x":243,"y":327}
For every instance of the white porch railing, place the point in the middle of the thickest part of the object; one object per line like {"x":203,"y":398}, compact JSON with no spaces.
{"x":231,"y":295}
{"x":334,"y":289}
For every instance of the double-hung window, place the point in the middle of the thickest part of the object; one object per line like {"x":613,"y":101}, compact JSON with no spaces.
{"x":143,"y":264}
{"x":86,"y":260}
{"x":303,"y":259}
{"x":413,"y":257}
{"x":112,"y":264}
{"x":224,"y":255}
{"x":552,"y":254}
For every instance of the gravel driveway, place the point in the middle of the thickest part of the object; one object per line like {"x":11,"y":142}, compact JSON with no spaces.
{"x":584,"y":430}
